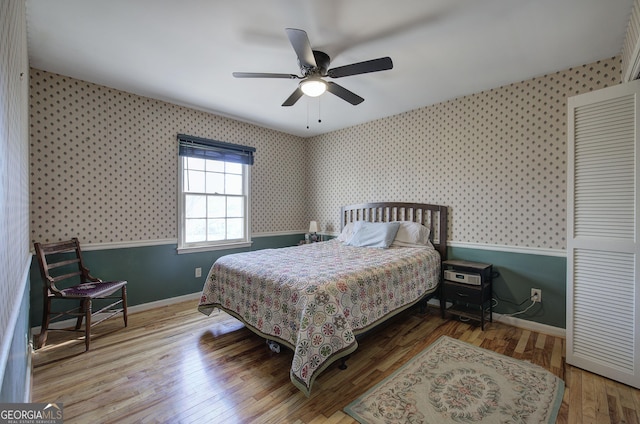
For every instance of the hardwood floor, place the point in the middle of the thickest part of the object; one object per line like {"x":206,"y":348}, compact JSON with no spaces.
{"x":175,"y":365}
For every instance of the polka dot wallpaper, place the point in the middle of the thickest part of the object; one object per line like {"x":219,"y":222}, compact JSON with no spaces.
{"x":497,"y":159}
{"x":104,"y":164}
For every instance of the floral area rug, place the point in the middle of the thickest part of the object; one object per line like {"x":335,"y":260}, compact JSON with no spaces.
{"x":455,"y":382}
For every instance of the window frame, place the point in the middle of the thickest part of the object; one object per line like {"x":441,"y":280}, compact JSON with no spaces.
{"x":203,"y":246}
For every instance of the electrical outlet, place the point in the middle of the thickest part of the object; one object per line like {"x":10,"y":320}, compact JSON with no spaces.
{"x":198,"y":272}
{"x":536,"y":295}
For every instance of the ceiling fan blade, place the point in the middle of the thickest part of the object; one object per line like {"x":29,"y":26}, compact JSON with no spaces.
{"x":263,"y":75}
{"x":293,"y":98}
{"x":344,"y":94}
{"x":374,"y":65}
{"x":302,"y":47}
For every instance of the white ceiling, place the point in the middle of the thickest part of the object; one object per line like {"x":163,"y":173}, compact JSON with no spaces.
{"x":184,"y":51}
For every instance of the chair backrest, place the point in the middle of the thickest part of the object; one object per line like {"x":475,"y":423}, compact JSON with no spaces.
{"x":62,"y":263}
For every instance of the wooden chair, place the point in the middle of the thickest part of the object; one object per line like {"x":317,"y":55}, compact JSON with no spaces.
{"x":61,"y":266}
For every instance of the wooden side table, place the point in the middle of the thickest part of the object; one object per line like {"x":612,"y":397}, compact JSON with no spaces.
{"x":468,"y":287}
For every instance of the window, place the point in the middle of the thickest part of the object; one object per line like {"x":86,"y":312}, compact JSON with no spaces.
{"x":214,"y":194}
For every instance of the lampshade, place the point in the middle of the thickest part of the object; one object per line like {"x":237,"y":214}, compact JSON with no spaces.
{"x":313,"y":87}
{"x":313,"y":227}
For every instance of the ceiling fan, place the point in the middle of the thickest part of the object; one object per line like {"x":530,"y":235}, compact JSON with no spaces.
{"x":314,"y":66}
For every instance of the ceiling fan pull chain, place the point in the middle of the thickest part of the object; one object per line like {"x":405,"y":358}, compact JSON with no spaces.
{"x":319,"y":101}
{"x":307,"y":114}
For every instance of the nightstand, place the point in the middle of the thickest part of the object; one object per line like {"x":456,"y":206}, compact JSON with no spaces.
{"x":467,"y":285}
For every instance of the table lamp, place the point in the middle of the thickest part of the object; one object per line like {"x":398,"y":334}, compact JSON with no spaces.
{"x":313,"y":229}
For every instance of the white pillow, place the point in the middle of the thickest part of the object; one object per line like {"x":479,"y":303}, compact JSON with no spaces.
{"x":411,"y":234}
{"x":373,"y":234}
{"x":346,"y":233}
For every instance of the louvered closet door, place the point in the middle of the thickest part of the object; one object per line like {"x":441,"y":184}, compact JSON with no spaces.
{"x":602,"y":245}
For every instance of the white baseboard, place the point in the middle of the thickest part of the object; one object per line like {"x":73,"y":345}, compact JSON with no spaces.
{"x":29,"y":377}
{"x":164,"y":302}
{"x":530,"y":325}
{"x":520,"y":323}
{"x":132,"y":309}
{"x":513,"y":321}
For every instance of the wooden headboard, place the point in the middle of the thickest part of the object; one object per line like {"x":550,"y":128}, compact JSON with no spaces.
{"x":433,"y":217}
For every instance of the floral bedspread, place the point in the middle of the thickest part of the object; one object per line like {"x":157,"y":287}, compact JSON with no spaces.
{"x":315,"y":298}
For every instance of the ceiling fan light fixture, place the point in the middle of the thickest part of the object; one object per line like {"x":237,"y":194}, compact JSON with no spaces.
{"x":314,"y":65}
{"x":313,"y":87}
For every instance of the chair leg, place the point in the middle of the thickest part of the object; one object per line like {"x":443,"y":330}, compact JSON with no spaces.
{"x":87,"y":323}
{"x":81,"y":313}
{"x":124,"y":304}
{"x":46,"y":317}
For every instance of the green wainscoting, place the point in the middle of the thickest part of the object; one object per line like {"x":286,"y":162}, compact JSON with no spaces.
{"x":153,"y":272}
{"x":158,"y":272}
{"x":519,"y":272}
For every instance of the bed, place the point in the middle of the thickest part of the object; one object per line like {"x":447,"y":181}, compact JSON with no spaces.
{"x":317,"y":298}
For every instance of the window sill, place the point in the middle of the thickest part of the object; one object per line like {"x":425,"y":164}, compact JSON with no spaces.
{"x":226,"y":246}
